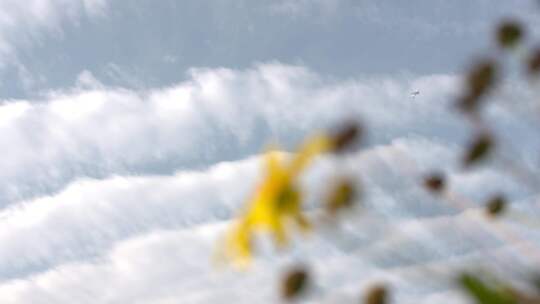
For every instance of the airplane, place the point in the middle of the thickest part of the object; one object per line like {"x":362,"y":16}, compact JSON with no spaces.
{"x":414,"y":94}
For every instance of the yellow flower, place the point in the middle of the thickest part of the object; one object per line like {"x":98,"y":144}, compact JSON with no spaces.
{"x":276,"y":204}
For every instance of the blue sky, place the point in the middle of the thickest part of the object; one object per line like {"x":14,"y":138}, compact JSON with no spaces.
{"x":132,"y":132}
{"x":148,"y":44}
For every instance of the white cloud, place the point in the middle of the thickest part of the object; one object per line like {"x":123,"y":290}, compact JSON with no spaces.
{"x":87,"y":80}
{"x":217,"y":114}
{"x":175,"y":265}
{"x":148,"y":236}
{"x":151,"y":238}
{"x":89,"y":216}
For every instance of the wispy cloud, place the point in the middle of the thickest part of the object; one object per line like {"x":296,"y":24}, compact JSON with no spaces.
{"x":24,"y":24}
{"x":147,"y":220}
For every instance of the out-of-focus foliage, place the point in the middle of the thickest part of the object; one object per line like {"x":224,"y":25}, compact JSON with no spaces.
{"x":276,"y":205}
{"x":509,"y":34}
{"x":478,"y":150}
{"x":495,"y":206}
{"x":533,"y":64}
{"x":434,"y":182}
{"x":346,"y":136}
{"x":484,"y":293}
{"x":342,"y":196}
{"x":481,"y":78}
{"x":376,"y":294}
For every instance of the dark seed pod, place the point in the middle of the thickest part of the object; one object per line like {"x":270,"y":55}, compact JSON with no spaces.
{"x":342,"y":196}
{"x":434,"y":182}
{"x":480,"y":79}
{"x":533,"y":64}
{"x":294,"y":283}
{"x":509,"y":34}
{"x":377,"y":294}
{"x":495,"y":206}
{"x":346,"y":136}
{"x":478,"y":150}
{"x":468,"y":103}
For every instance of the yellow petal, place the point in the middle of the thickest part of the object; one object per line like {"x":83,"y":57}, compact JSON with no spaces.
{"x":239,"y":244}
{"x":276,"y":203}
{"x":311,"y":148}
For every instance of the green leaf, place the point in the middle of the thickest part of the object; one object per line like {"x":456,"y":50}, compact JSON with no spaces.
{"x":484,"y":294}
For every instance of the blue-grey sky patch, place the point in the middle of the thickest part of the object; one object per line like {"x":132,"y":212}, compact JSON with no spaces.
{"x":156,"y":42}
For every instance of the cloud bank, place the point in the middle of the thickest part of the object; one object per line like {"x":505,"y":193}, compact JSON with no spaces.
{"x":217,"y":115}
{"x":112,"y":195}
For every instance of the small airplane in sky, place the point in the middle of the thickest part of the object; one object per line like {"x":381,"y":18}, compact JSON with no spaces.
{"x":415,"y":93}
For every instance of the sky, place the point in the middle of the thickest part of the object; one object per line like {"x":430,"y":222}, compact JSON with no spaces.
{"x":132,"y":134}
